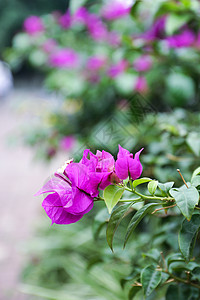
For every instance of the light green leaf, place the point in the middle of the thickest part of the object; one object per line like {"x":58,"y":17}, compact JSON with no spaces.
{"x":112,"y":194}
{"x":152,"y":186}
{"x":174,"y":22}
{"x":165,"y":187}
{"x":150,"y":279}
{"x":186,"y":199}
{"x":193,"y":141}
{"x":196,"y":172}
{"x":138,"y":216}
{"x":195,"y":180}
{"x":140,"y":181}
{"x":74,"y":5}
{"x":188,"y":234}
{"x":115,"y":219}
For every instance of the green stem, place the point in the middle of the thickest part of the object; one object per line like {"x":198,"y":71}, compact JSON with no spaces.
{"x":131,"y":200}
{"x":150,"y":197}
{"x":182,"y":280}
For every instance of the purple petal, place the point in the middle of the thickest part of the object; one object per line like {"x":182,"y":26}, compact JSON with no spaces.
{"x":121,"y":168}
{"x":82,"y":203}
{"x":123,"y":152}
{"x":54,"y":184}
{"x":55,"y":211}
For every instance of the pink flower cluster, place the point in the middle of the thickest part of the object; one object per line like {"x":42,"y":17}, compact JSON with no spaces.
{"x":71,"y":191}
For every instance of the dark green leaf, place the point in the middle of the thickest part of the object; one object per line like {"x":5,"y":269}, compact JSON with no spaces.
{"x":150,"y":279}
{"x":138,"y":216}
{"x":140,"y":181}
{"x":187,"y":235}
{"x":115,"y":219}
{"x":196,"y":273}
{"x":186,"y":199}
{"x":133,"y":291}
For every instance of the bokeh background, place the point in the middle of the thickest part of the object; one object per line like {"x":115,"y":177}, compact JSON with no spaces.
{"x":89,"y":74}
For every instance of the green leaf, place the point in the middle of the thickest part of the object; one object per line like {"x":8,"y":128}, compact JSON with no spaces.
{"x":100,"y":220}
{"x":150,"y":279}
{"x":186,"y":199}
{"x":153,"y":253}
{"x":195,"y":181}
{"x":193,"y":141}
{"x":138,"y":216}
{"x":74,"y":5}
{"x":134,"y":8}
{"x":133,"y":291}
{"x":165,"y":187}
{"x":115,"y":219}
{"x":174,"y":22}
{"x":196,"y":172}
{"x":112,"y":194}
{"x":140,"y":181}
{"x":172,"y":292}
{"x":152,"y":186}
{"x":196,"y":273}
{"x":188,"y":234}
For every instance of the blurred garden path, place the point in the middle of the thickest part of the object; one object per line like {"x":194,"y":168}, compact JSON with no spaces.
{"x":20,"y":178}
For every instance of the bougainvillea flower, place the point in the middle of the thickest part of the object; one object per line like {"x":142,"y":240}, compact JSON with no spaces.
{"x":113,"y":38}
{"x":64,"y":58}
{"x":142,"y":63}
{"x":141,"y":85}
{"x":95,"y":63}
{"x":67,"y":200}
{"x":33,"y":25}
{"x":101,"y":166}
{"x":157,"y":30}
{"x":115,"y":9}
{"x":184,"y":39}
{"x":117,"y":69}
{"x":127,"y":166}
{"x":67,"y":142}
{"x":97,"y":29}
{"x":81,"y":15}
{"x":49,"y":46}
{"x":65,"y":20}
{"x":81,"y":177}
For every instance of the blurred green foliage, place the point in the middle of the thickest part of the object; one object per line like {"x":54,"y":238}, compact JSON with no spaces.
{"x":14,"y":12}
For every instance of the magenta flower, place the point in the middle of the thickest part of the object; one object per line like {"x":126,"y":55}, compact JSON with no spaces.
{"x":65,"y":20}
{"x":142,"y":63}
{"x":157,"y":30}
{"x":101,"y":166}
{"x":69,"y":195}
{"x":64,"y":58}
{"x":114,"y":39}
{"x":115,"y":10}
{"x":81,"y":16}
{"x":127,"y":166}
{"x":49,"y":46}
{"x":184,"y":39}
{"x":33,"y":25}
{"x":95,"y":63}
{"x":117,"y":69}
{"x":96,"y":28}
{"x":141,"y":85}
{"x":67,"y":142}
